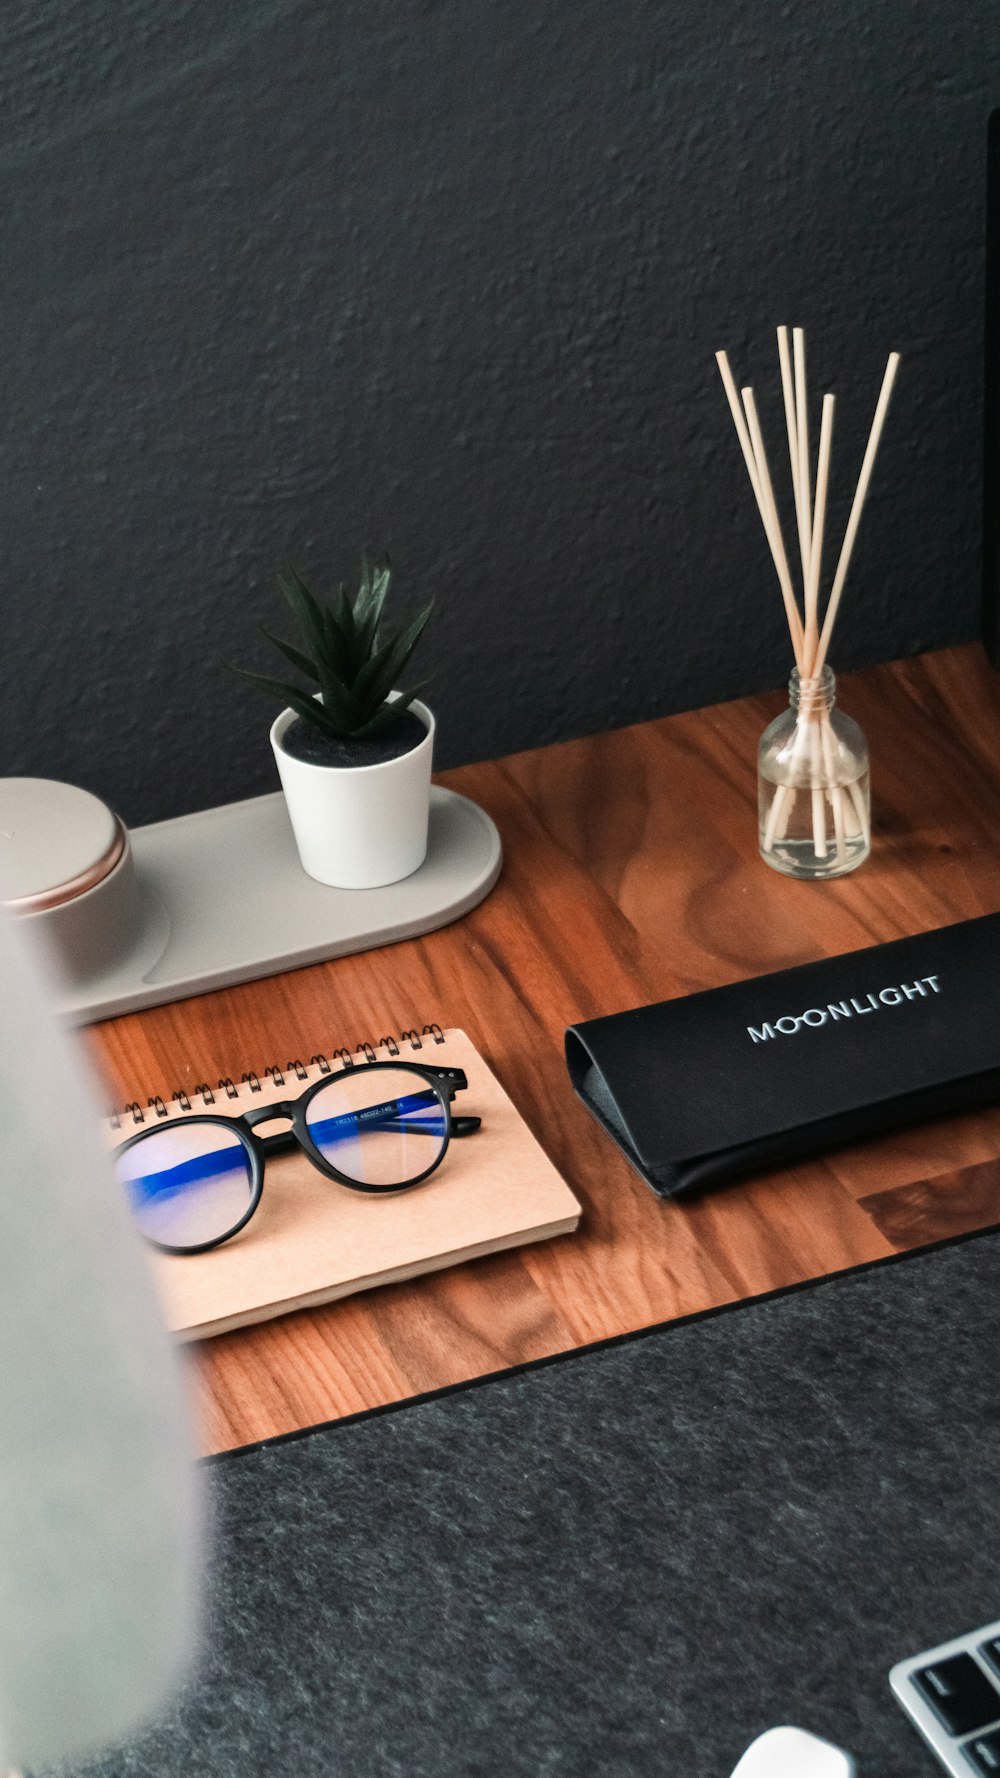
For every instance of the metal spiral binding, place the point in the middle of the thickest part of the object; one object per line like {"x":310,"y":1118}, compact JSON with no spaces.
{"x":346,"y":1057}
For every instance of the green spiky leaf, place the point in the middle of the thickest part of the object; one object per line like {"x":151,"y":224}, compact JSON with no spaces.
{"x":368,"y":606}
{"x":343,"y":616}
{"x":338,"y":648}
{"x":310,"y":709}
{"x":294,"y":655}
{"x":304,"y":607}
{"x":338,"y":702}
{"x":378,"y":678}
{"x":387,"y":714}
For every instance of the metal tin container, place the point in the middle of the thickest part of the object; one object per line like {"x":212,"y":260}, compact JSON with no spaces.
{"x":66,"y":870}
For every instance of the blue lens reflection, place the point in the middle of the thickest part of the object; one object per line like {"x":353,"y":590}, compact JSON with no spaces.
{"x":187,"y":1185}
{"x":418,"y":1111}
{"x":146,"y":1186}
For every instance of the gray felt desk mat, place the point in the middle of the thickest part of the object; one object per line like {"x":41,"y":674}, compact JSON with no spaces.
{"x":622,"y":1565}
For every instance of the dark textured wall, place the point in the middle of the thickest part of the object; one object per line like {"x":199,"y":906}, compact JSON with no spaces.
{"x":281,"y":279}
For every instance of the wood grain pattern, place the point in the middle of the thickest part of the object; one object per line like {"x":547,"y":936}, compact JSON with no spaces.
{"x":939,"y":1208}
{"x":631,"y":874}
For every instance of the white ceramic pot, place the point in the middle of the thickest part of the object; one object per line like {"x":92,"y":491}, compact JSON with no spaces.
{"x":358,"y":827}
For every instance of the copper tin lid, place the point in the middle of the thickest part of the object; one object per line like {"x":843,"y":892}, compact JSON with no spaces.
{"x":56,"y":842}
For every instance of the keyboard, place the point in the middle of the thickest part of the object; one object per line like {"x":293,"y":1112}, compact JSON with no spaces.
{"x":952,"y":1696}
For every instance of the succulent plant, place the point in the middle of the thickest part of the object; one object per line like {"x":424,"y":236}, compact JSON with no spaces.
{"x":344,"y":656}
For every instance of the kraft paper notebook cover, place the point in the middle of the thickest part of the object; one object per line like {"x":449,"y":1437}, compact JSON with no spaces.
{"x":312,"y":1240}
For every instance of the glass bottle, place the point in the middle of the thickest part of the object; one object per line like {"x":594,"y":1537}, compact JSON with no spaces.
{"x":814,"y":799}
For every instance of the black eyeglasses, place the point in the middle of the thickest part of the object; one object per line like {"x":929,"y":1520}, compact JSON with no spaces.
{"x":376,"y":1127}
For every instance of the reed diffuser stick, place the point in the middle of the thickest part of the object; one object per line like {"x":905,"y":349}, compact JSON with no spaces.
{"x":780,"y":808}
{"x":824,"y":736}
{"x":772,"y":525}
{"x":729,"y":384}
{"x":792,"y":428}
{"x":818,"y":524}
{"x":813,"y":742}
{"x":765,"y":501}
{"x":881,"y":409}
{"x":802,"y":423}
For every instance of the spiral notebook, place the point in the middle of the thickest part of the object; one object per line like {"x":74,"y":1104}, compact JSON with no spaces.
{"x":312,"y":1240}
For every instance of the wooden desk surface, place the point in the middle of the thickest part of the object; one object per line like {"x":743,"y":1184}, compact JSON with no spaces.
{"x":631,"y":874}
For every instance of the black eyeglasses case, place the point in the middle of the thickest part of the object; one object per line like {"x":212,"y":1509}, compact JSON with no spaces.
{"x":716,"y":1085}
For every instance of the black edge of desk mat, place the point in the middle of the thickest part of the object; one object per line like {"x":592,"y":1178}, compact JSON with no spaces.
{"x":567,"y":1354}
{"x":623,"y":1567}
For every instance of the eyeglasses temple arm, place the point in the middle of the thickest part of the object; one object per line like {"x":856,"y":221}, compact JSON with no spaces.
{"x":281,"y":1143}
{"x":284,"y":1141}
{"x":464,"y":1126}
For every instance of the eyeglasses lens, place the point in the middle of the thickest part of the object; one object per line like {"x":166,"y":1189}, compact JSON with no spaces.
{"x":188,"y":1184}
{"x":380,"y":1127}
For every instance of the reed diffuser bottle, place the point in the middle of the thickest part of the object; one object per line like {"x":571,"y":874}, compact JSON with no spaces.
{"x":814,"y":813}
{"x":813,"y":785}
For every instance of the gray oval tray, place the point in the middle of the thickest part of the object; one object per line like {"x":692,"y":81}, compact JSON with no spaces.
{"x":226,"y":900}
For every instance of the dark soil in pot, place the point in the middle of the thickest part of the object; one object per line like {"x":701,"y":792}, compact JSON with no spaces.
{"x":303,"y":740}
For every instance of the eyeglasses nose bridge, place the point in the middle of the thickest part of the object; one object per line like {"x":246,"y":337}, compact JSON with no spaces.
{"x":265,"y":1114}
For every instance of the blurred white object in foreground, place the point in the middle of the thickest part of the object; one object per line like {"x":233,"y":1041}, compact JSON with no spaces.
{"x":793,"y":1753}
{"x":98,"y":1519}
